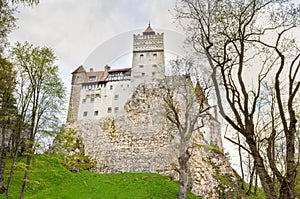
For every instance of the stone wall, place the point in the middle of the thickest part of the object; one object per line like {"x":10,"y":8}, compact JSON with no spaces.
{"x":143,"y":141}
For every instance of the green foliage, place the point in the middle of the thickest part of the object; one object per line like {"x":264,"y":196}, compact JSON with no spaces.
{"x":40,"y":89}
{"x":7,"y":22}
{"x":49,"y":179}
{"x":210,"y":148}
{"x":70,"y":144}
{"x":7,"y":87}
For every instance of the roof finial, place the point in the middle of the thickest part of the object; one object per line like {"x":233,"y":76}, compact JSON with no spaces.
{"x":149,"y":30}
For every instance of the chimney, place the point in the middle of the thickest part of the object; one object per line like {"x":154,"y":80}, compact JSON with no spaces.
{"x":106,"y":69}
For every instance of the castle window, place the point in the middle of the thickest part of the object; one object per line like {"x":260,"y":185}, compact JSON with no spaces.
{"x":155,"y":55}
{"x":111,"y":87}
{"x":153,"y":73}
{"x":109,"y":109}
{"x":85,"y":114}
{"x":141,"y":56}
{"x":92,"y":100}
{"x":143,"y":74}
{"x":83,"y":101}
{"x":116,"y":97}
{"x":96,"y":113}
{"x":116,"y":109}
{"x":154,"y":66}
{"x":141,"y":66}
{"x":92,"y":78}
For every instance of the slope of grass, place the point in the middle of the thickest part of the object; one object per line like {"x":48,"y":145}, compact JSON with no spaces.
{"x":49,"y":179}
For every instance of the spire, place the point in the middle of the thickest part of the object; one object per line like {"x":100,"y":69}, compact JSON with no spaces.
{"x":149,"y":30}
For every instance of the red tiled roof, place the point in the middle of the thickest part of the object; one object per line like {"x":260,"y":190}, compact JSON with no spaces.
{"x":149,"y":30}
{"x":98,"y":74}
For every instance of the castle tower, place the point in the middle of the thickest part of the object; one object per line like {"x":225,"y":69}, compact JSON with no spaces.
{"x":78,"y":77}
{"x":148,"y":63}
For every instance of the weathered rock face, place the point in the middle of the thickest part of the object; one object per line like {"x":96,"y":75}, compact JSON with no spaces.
{"x":144,"y":141}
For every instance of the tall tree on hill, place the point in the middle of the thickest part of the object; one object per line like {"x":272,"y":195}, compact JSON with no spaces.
{"x":7,"y":112}
{"x":44,"y":90}
{"x":242,"y":37}
{"x":185,"y":107}
{"x":7,"y":79}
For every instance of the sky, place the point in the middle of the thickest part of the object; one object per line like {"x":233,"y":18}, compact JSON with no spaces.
{"x":75,"y":29}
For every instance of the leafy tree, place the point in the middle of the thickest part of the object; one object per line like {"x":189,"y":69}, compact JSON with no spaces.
{"x":43,"y":90}
{"x":185,"y":107}
{"x":7,"y":23}
{"x":242,"y":37}
{"x":7,"y":111}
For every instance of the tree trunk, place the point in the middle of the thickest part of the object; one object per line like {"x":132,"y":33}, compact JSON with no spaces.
{"x":288,"y":185}
{"x":12,"y":170}
{"x":251,"y":180}
{"x":2,"y":168}
{"x":2,"y":159}
{"x":264,"y":177}
{"x":183,"y":175}
{"x":25,"y":179}
{"x":15,"y":150}
{"x":241,"y":161}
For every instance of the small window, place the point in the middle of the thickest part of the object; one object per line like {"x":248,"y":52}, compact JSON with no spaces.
{"x":92,"y":100}
{"x":85,"y":114}
{"x":109,"y":109}
{"x":153,"y":73}
{"x":154,"y":66}
{"x":141,"y":66}
{"x":141,"y":56}
{"x":116,"y":97}
{"x":116,"y":109}
{"x":83,"y":101}
{"x":96,"y":113}
{"x":92,"y":78}
{"x":111,"y":87}
{"x":143,"y":74}
{"x":155,"y":55}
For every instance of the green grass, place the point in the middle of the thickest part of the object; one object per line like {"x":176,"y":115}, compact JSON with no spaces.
{"x":49,"y":179}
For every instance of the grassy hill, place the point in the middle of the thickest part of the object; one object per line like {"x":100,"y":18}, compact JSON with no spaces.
{"x":49,"y":179}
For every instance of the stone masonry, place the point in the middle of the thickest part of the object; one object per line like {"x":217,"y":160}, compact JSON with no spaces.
{"x":118,"y":114}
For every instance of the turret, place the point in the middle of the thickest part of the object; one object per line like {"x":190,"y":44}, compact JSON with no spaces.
{"x":78,"y":76}
{"x":148,"y":63}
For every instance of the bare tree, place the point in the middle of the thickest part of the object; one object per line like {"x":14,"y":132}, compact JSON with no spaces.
{"x":185,"y":107}
{"x":251,"y":37}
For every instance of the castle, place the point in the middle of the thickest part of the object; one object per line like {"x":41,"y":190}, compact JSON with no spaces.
{"x":97,"y":94}
{"x":116,"y":112}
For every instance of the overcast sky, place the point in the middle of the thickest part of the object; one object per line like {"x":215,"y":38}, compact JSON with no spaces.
{"x":75,"y":28}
